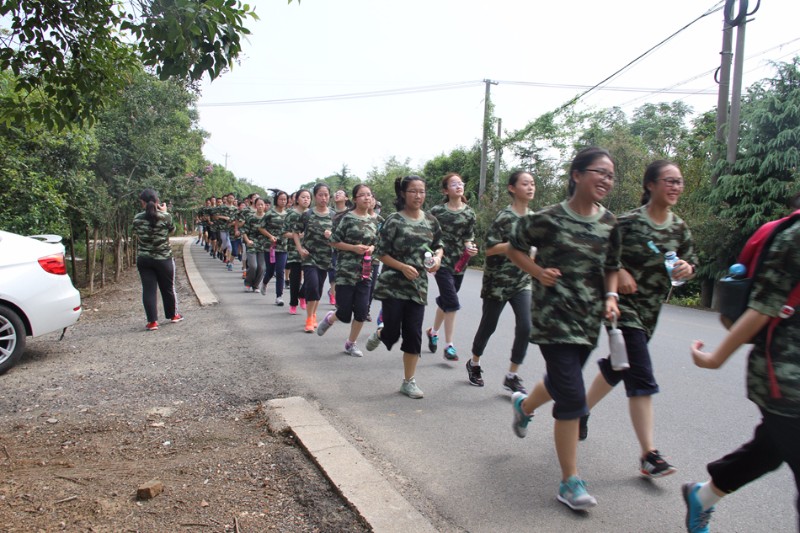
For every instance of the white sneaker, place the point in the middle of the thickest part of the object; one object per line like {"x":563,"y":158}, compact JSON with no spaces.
{"x":353,"y":350}
{"x":279,"y":301}
{"x":410,"y":389}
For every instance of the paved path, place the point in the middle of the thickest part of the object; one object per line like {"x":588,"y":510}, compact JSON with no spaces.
{"x":453,"y":455}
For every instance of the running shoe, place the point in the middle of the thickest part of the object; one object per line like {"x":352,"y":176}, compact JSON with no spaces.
{"x":303,"y":304}
{"x":326,"y":324}
{"x":450,"y":353}
{"x":655,"y":466}
{"x":696,"y":518}
{"x":331,"y":297}
{"x":573,"y":494}
{"x":352,"y":350}
{"x":176,"y":318}
{"x":309,"y":326}
{"x":583,"y":428}
{"x":292,"y":309}
{"x":279,"y":301}
{"x":263,"y":289}
{"x":410,"y":389}
{"x":514,"y":384}
{"x":230,"y":267}
{"x":151,"y":326}
{"x":374,"y":340}
{"x":433,"y":340}
{"x":379,"y":321}
{"x":521,"y":420}
{"x":368,"y":318}
{"x":474,"y":374}
{"x":244,"y":274}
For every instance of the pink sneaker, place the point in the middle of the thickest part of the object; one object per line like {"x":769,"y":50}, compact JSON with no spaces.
{"x":302,"y":303}
{"x":292,"y":309}
{"x":151,"y":326}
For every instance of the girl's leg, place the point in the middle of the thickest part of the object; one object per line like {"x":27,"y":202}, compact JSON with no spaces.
{"x":280,"y":267}
{"x":165,"y":272}
{"x":149,"y":288}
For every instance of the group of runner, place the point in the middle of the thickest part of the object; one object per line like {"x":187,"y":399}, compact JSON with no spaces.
{"x":565,"y":270}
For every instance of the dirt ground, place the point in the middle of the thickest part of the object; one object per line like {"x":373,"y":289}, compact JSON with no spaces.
{"x":85,"y":421}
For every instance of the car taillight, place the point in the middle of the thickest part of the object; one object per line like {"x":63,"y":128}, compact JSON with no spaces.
{"x":54,"y":264}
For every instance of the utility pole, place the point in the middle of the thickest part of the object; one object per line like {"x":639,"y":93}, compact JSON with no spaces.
{"x":724,"y":90}
{"x":485,"y":144}
{"x":497,"y":158}
{"x":226,"y":154}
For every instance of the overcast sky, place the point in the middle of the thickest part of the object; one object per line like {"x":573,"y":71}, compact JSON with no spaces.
{"x":336,"y":47}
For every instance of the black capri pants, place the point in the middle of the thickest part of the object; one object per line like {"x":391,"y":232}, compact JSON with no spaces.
{"x":449,"y":284}
{"x":313,"y":281}
{"x":639,"y":379}
{"x":353,"y":301}
{"x":403,"y":317}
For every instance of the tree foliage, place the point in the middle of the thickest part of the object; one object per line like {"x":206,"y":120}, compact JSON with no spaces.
{"x":71,"y":57}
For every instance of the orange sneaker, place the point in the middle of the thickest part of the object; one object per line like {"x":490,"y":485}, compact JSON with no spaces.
{"x":310,"y":326}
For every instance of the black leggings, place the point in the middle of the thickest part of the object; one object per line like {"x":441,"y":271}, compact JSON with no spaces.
{"x":158,"y":274}
{"x":295,"y":283}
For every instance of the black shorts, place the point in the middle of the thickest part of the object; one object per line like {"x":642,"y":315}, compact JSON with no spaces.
{"x":639,"y":379}
{"x":564,"y":379}
{"x":449,"y":284}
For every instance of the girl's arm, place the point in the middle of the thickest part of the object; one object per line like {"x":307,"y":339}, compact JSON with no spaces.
{"x":546,"y":276}
{"x":408,"y":271}
{"x":612,"y":279}
{"x":742,"y":331}
{"x":498,"y":249}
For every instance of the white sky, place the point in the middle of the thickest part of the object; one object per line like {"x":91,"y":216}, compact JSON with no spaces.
{"x":333,"y":47}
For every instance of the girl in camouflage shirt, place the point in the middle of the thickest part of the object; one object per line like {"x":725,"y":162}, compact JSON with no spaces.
{"x":504,"y":282}
{"x":292,"y":227}
{"x":457,"y":221}
{"x":643,"y":283}
{"x":256,"y":243}
{"x":315,"y":251}
{"x":354,"y":238}
{"x":575,"y":269}
{"x":403,"y":283}
{"x":154,"y":258}
{"x":273,"y":225}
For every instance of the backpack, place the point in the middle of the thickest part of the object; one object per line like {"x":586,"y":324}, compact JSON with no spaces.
{"x":733,"y":293}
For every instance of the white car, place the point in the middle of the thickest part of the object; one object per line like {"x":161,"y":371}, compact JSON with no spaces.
{"x":36,"y":295}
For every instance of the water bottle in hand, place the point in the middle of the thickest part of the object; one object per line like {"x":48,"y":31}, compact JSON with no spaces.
{"x":670,"y":258}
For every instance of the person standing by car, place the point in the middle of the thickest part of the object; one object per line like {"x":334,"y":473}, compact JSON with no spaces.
{"x":154,"y":258}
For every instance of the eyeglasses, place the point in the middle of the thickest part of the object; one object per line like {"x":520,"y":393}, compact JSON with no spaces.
{"x":456,"y":185}
{"x":605,"y":174}
{"x":416,"y":192}
{"x":673,"y":182}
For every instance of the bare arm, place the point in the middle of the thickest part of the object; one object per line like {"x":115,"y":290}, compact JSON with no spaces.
{"x":546,"y":276}
{"x":742,"y":331}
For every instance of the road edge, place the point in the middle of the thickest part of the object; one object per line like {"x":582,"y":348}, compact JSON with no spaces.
{"x":201,"y":290}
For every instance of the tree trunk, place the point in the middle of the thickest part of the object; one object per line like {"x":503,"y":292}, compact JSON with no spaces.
{"x":103,"y":257}
{"x":92,"y":259}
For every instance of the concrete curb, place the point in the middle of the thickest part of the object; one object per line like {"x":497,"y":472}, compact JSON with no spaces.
{"x":359,"y":483}
{"x":201,"y":290}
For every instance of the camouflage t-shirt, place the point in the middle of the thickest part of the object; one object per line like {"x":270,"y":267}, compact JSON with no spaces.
{"x":353,"y":229}
{"x":405,"y":240}
{"x":583,"y":249}
{"x":458,"y":227}
{"x":153,"y":240}
{"x":640,"y":310}
{"x":251,"y":226}
{"x":292,"y":223}
{"x":779,"y":275}
{"x":314,"y":240}
{"x":502,"y":279}
{"x":273,"y":223}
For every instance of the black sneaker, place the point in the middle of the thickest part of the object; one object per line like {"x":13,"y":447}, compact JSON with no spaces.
{"x":655,"y":466}
{"x":514,"y":384}
{"x":583,"y":432}
{"x":433,"y":340}
{"x":474,"y":374}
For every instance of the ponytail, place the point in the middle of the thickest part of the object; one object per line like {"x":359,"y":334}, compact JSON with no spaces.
{"x":150,"y":198}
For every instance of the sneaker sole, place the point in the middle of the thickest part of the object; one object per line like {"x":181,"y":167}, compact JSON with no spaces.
{"x":666,"y":472}
{"x":587,"y":505}
{"x":475,"y":384}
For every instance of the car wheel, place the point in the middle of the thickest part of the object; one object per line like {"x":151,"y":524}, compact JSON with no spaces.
{"x":12,"y":338}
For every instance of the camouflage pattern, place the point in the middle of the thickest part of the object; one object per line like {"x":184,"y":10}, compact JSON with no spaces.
{"x":640,"y":310}
{"x":458,"y":227}
{"x":404,"y":240}
{"x":502,"y":279}
{"x":779,"y":275}
{"x":251,"y":226}
{"x":314,"y":239}
{"x":353,"y":229}
{"x":153,"y":240}
{"x":292,"y":223}
{"x":273,"y":223}
{"x":582,"y":248}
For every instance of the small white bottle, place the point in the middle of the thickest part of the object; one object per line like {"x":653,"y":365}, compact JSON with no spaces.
{"x":429,"y":261}
{"x":670,"y":258}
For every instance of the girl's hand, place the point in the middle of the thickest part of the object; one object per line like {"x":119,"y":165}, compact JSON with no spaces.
{"x":304,"y":253}
{"x":162,"y":207}
{"x":549,"y":276}
{"x":611,"y":309}
{"x":472,"y":250}
{"x":327,"y":234}
{"x":625,"y":282}
{"x":682,"y":270}
{"x":701,"y":358}
{"x":273,"y":239}
{"x":410,"y":272}
{"x":436,"y":265}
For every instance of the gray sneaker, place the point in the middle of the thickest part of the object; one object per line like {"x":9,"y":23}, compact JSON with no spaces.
{"x":521,"y":420}
{"x":573,"y":494}
{"x":410,"y":389}
{"x":263,"y":289}
{"x":279,"y":301}
{"x":353,"y":350}
{"x":324,"y":324}
{"x":374,"y":340}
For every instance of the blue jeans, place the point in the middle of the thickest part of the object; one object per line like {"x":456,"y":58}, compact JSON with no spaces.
{"x":276,"y":269}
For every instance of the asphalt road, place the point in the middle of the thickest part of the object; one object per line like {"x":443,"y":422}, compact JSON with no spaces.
{"x":456,"y":446}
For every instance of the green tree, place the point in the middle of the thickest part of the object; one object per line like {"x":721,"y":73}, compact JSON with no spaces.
{"x":381,"y":181}
{"x":466,"y":162}
{"x":70,"y":57}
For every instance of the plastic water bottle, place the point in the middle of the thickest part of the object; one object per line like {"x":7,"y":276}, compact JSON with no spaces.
{"x":429,"y":261}
{"x":366,"y":267}
{"x":462,"y":262}
{"x":272,"y":253}
{"x":670,"y":258}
